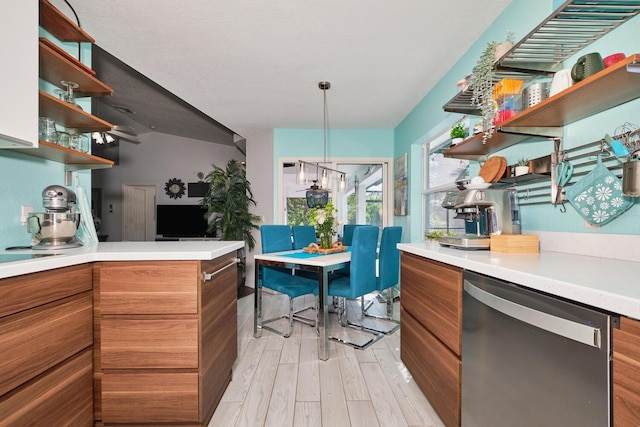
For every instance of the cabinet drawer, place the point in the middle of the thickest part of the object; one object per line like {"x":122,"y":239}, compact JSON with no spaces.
{"x":149,"y":397}
{"x":31,"y":290}
{"x":149,"y":342}
{"x":626,"y":373}
{"x":436,"y":370}
{"x":432,"y":293}
{"x":152,"y":287}
{"x":35,"y":340}
{"x":62,"y":396}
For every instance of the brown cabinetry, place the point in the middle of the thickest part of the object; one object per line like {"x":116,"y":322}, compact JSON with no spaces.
{"x":46,"y":337}
{"x":430,"y":339}
{"x":166,"y":339}
{"x":626,"y":373}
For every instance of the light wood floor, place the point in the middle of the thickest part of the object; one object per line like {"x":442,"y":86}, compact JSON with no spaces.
{"x":281,"y":382}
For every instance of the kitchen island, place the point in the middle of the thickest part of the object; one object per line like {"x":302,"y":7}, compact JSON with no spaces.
{"x":136,"y":332}
{"x":432,"y":313}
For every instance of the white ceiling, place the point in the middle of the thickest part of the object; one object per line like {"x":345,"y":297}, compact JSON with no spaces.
{"x":254,"y":65}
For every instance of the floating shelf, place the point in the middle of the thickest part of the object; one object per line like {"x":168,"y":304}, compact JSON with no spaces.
{"x":52,"y":20}
{"x":57,"y":65}
{"x":70,"y":116}
{"x":74,"y":160}
{"x":609,"y":88}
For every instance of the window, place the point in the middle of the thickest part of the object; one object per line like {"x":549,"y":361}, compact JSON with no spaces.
{"x":440,"y":174}
{"x":361,"y":202}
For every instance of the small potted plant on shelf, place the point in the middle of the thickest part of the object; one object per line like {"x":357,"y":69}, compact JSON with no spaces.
{"x":458,"y":133}
{"x":523,"y":167}
{"x":503,"y":48}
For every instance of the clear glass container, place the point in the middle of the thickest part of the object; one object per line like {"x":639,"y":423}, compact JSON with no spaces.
{"x":47,"y":130}
{"x":64,"y":139}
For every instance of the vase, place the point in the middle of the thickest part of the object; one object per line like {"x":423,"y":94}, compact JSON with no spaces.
{"x":521,"y":170}
{"x":325,"y":241}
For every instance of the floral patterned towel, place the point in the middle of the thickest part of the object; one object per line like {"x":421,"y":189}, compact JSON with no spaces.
{"x":598,"y":196}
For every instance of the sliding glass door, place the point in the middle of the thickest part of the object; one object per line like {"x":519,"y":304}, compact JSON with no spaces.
{"x":364,"y":200}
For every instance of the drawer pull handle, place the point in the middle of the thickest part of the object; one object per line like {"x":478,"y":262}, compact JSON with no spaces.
{"x":208,"y":276}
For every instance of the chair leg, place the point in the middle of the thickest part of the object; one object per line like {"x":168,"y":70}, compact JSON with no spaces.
{"x":291,"y":316}
{"x":344,"y":321}
{"x":389,"y":317}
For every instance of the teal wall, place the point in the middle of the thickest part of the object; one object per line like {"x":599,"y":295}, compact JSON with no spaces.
{"x":428,"y":117}
{"x":341,"y":143}
{"x":25,"y":176}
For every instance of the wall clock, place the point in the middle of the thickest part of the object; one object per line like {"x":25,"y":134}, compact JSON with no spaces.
{"x":174,"y":188}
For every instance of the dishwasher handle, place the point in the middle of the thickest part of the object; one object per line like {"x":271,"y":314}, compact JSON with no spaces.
{"x":557,"y":325}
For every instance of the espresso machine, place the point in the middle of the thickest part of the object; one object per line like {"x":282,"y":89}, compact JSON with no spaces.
{"x":56,"y":228}
{"x":486,"y":212}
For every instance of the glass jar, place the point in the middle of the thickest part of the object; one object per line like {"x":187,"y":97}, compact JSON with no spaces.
{"x":64,"y":139}
{"x":79,"y":142}
{"x":47,"y":130}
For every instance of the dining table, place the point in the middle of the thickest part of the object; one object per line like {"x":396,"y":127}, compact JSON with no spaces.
{"x":322,"y":264}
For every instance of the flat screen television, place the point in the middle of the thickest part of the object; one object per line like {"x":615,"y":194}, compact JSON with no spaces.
{"x":181,"y":221}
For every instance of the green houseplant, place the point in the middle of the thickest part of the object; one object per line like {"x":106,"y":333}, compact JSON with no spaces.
{"x":523,"y":166}
{"x":458,"y":133}
{"x":227,"y":201}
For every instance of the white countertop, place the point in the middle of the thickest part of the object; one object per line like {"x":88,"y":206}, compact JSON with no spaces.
{"x":116,"y":251}
{"x":609,"y":284}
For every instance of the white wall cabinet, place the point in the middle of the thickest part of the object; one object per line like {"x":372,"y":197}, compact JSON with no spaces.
{"x":19,"y":74}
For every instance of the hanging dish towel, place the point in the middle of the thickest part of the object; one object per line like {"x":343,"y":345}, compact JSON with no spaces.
{"x":598,"y":196}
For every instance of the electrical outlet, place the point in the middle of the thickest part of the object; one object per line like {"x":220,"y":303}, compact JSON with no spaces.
{"x":24,"y":214}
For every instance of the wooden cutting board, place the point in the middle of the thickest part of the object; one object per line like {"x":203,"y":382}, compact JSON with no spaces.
{"x":515,"y":243}
{"x":493,"y":169}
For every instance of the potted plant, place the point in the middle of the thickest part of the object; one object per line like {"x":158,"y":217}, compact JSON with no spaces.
{"x":482,"y":82}
{"x":227,"y":201}
{"x":503,"y":48}
{"x":458,"y":133}
{"x":523,"y":167}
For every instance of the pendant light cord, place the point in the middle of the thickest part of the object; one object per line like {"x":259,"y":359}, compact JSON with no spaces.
{"x":324,"y":121}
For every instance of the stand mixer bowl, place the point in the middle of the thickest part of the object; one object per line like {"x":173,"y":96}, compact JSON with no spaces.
{"x":54,"y":229}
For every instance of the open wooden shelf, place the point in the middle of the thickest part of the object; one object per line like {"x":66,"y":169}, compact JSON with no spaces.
{"x":75,"y":160}
{"x":69,"y":115}
{"x":57,"y":65}
{"x":52,"y":20}
{"x":609,"y":88}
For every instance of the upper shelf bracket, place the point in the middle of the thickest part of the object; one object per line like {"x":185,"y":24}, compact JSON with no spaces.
{"x":545,"y":131}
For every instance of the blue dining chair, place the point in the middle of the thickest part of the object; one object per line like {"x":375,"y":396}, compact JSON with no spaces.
{"x":303,"y":235}
{"x":360,"y":281}
{"x":347,"y":233}
{"x":388,"y":272}
{"x":347,"y":240}
{"x":277,"y":238}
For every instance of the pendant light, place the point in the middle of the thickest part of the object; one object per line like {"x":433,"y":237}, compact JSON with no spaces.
{"x":318,"y":195}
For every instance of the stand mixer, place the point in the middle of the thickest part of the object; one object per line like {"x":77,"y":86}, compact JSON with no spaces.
{"x":56,"y":228}
{"x":486,"y":212}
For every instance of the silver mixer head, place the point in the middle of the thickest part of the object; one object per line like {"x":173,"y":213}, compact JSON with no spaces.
{"x":56,"y":198}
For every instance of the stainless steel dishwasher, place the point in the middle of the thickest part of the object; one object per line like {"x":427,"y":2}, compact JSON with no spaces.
{"x":529,"y":359}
